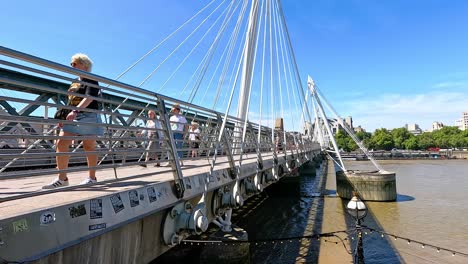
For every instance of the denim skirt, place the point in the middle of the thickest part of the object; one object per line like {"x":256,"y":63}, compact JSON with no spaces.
{"x":85,"y":124}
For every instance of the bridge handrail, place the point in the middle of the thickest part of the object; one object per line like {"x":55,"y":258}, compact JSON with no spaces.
{"x":30,"y":131}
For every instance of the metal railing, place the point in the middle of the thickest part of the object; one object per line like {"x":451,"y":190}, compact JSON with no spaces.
{"x":31,"y":89}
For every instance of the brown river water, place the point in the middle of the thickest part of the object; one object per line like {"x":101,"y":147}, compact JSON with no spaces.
{"x":432,"y":208}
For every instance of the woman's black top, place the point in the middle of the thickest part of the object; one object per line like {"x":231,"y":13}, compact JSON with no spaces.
{"x":86,"y":90}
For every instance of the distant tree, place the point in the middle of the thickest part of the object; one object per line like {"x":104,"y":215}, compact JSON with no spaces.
{"x":447,"y":137}
{"x":465,"y":137}
{"x":465,"y":133}
{"x":363,"y":135}
{"x":457,"y":141}
{"x":449,"y":130}
{"x":425,"y":141}
{"x":345,"y":142}
{"x":400,"y":135}
{"x":352,"y":145}
{"x":341,"y":140}
{"x":412,"y":143}
{"x":366,"y":143}
{"x":381,"y":139}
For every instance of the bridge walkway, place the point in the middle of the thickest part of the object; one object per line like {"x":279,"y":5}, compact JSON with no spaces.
{"x":132,"y":177}
{"x":177,"y":200}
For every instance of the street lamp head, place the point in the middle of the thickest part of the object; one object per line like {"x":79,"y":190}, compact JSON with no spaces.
{"x":356,"y":208}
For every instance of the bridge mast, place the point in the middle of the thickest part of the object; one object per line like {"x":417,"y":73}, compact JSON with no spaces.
{"x":247,"y":65}
{"x":313,"y":92}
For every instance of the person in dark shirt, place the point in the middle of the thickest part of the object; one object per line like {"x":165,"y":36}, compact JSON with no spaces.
{"x":85,"y":124}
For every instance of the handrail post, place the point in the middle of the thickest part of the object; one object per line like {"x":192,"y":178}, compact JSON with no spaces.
{"x":224,"y":138}
{"x":257,"y":146}
{"x":166,"y":126}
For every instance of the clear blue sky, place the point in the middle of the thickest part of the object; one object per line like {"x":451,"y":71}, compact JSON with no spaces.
{"x":386,"y":63}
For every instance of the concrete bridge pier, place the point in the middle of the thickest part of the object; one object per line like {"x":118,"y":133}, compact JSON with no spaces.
{"x":371,"y":185}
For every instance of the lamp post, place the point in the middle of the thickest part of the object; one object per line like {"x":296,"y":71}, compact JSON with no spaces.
{"x":357,"y":209}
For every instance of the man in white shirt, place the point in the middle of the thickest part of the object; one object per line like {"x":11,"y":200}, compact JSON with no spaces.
{"x":178,"y":126}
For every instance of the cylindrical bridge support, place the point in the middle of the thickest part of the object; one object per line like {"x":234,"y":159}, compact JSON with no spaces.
{"x":225,"y":198}
{"x":184,"y":220}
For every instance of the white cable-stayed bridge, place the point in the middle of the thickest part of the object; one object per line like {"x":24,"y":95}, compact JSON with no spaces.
{"x":230,"y":67}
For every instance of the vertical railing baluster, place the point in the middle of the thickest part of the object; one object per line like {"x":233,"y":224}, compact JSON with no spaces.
{"x":177,"y":170}
{"x":225,"y":140}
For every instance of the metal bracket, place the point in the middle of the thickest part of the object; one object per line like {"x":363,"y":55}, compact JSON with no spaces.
{"x":232,"y":173}
{"x":259,"y":166}
{"x":182,"y":221}
{"x":275,"y":169}
{"x":224,"y":198}
{"x":270,"y":176}
{"x":249,"y":186}
{"x":292,"y":164}
{"x":179,"y":188}
{"x":280,"y":171}
{"x":258,"y":180}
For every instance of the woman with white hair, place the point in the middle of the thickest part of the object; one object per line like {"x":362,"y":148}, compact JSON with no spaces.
{"x":84,"y":123}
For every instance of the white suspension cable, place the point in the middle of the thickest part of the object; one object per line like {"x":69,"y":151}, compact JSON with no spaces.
{"x":303,"y":122}
{"x":182,"y":43}
{"x":207,"y":62}
{"x":200,"y":66}
{"x":219,"y":87}
{"x":192,"y":50}
{"x":291,"y":51}
{"x":244,"y":132}
{"x":252,"y":72}
{"x":231,"y":50}
{"x":195,"y":73}
{"x":318,"y":132}
{"x":238,"y":55}
{"x":283,"y":62}
{"x":263,"y":71}
{"x":289,"y":75}
{"x":280,"y":86}
{"x":218,"y":64}
{"x":223,"y":125}
{"x":163,"y":41}
{"x":148,"y":53}
{"x":313,"y":91}
{"x":271,"y":74}
{"x":349,"y":131}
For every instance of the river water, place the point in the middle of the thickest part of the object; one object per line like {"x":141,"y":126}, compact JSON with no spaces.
{"x":432,"y":208}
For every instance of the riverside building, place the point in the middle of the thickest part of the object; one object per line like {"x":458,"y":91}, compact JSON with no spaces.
{"x":462,"y":123}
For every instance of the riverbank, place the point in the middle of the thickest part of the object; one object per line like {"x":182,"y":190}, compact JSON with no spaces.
{"x":406,"y":155}
{"x":333,"y":212}
{"x":294,"y":207}
{"x":421,"y":185}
